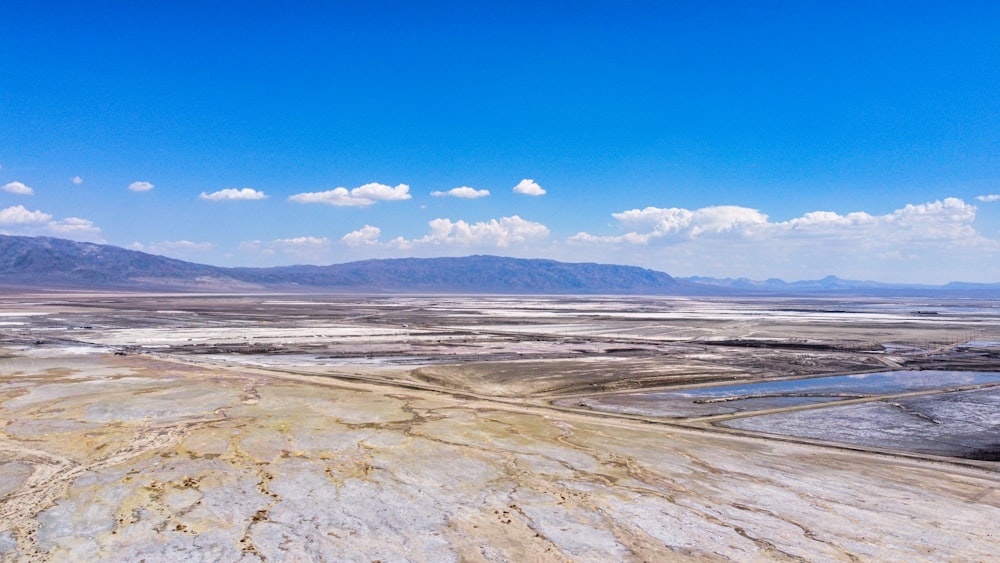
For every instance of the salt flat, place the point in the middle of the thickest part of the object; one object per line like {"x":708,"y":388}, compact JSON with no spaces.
{"x":178,"y":452}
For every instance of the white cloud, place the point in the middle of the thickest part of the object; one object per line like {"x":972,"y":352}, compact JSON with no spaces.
{"x":301,"y":248}
{"x":184,"y":249}
{"x":74,"y":226}
{"x":336,"y":196}
{"x":382,"y":192}
{"x":675,"y":223}
{"x":365,"y":236}
{"x":362,"y":196}
{"x":988,"y":197}
{"x":463,"y":192}
{"x":528,"y":186}
{"x":298,"y":242}
{"x":18,"y":215}
{"x":76,"y":180}
{"x":17,"y":188}
{"x":230,"y":194}
{"x":17,"y":220}
{"x":171,"y":246}
{"x":186,"y":246}
{"x":495,"y":233}
{"x":949,"y":219}
{"x":140,"y":186}
{"x":503,"y":233}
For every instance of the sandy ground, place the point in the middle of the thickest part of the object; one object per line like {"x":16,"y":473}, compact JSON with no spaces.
{"x":168,"y":454}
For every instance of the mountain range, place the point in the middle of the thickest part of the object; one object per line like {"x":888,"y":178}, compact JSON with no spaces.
{"x":51,"y":263}
{"x":42,"y":262}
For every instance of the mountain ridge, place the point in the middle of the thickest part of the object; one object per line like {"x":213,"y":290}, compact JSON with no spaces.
{"x":59,"y":263}
{"x":45,"y":262}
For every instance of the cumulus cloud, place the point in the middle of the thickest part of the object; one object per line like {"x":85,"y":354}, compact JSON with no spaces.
{"x":231,"y":194}
{"x":988,"y":197}
{"x":17,"y":220}
{"x":186,"y":246}
{"x":653,"y":223}
{"x":503,"y":233}
{"x":140,"y":186}
{"x":948,"y":219}
{"x":365,"y":236}
{"x":308,"y":248}
{"x":302,"y":241}
{"x":382,"y":192}
{"x":19,"y":215}
{"x":362,"y":196}
{"x":74,"y":226}
{"x":174,"y":248}
{"x":528,"y":186}
{"x":76,"y":180}
{"x":463,"y":192}
{"x":337,"y":196}
{"x":496,"y":233}
{"x":17,"y":188}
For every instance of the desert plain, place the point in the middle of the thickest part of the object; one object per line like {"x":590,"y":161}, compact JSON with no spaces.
{"x":144,"y":427}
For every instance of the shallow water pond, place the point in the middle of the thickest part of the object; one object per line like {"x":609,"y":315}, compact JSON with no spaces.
{"x":776,"y":394}
{"x":959,"y":424}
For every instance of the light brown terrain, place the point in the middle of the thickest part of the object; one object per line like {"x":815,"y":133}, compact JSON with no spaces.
{"x":345,"y":428}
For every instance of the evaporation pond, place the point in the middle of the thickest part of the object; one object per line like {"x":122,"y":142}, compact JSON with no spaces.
{"x":962,"y":424}
{"x":777,"y":394}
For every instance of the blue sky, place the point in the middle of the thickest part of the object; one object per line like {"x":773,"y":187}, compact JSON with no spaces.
{"x":757,"y":139}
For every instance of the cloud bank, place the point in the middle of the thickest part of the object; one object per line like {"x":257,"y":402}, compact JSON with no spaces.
{"x":929,"y":238}
{"x":946,"y":220}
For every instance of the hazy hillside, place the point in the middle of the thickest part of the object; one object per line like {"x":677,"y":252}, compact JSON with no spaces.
{"x":47,"y":262}
{"x":42,"y":262}
{"x":52,"y":262}
{"x":491,"y":274}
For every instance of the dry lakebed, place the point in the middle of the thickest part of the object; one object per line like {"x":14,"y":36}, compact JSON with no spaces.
{"x":142,"y":427}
